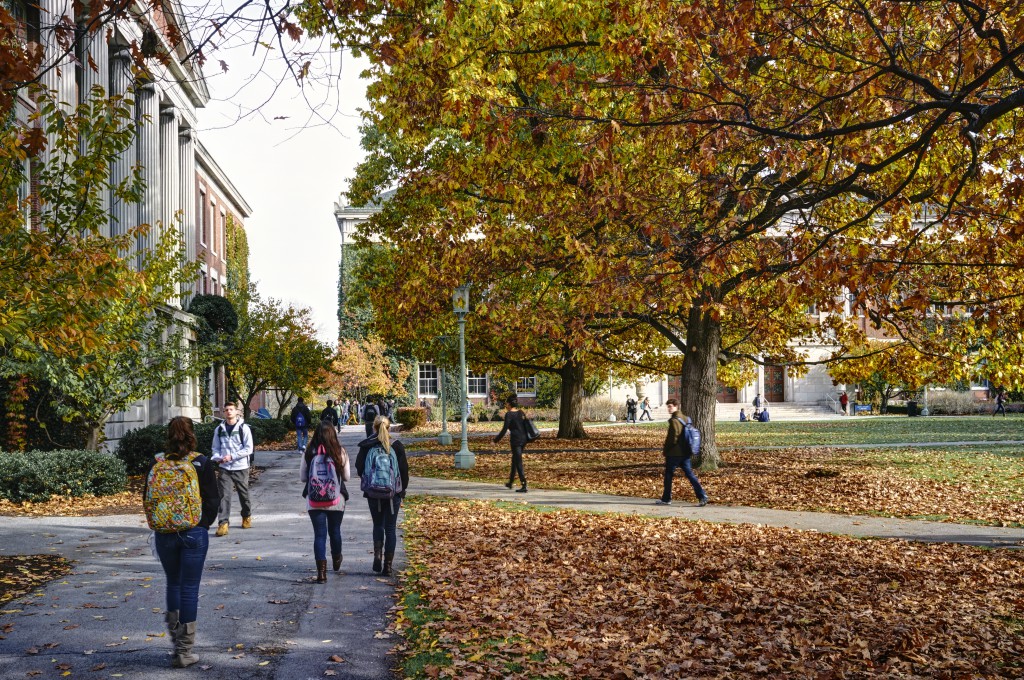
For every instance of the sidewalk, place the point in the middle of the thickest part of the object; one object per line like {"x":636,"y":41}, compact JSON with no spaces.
{"x":255,"y":593}
{"x":848,"y":525}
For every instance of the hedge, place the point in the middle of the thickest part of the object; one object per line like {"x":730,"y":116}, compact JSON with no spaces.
{"x":411,"y":417}
{"x":137,"y":447}
{"x":35,"y":476}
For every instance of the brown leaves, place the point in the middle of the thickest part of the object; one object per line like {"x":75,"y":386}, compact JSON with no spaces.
{"x":521,"y":594}
{"x":126,"y":503}
{"x":21,"y":574}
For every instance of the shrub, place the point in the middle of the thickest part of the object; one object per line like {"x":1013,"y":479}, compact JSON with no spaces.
{"x":410,"y":417}
{"x":596,"y":409}
{"x":950,"y":403}
{"x":37,"y":475}
{"x":268,"y":430}
{"x":137,"y":447}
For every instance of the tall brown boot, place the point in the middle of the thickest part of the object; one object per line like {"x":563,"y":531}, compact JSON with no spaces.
{"x":321,"y":571}
{"x":388,"y":559}
{"x":378,"y":551}
{"x":184,"y":639}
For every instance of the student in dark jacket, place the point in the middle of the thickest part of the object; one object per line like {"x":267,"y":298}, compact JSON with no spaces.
{"x":370,"y":413}
{"x":515,"y":425}
{"x":384,"y":512}
{"x":301,"y":419}
{"x":183,"y":553}
{"x":329,"y":414}
{"x":677,"y":454}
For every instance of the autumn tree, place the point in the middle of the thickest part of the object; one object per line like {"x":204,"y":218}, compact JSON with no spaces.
{"x":274,"y":347}
{"x":714,"y":169}
{"x":889,"y":369}
{"x":361,"y":367}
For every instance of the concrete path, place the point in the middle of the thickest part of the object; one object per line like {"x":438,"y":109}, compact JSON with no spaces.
{"x":849,"y":525}
{"x":260,"y":617}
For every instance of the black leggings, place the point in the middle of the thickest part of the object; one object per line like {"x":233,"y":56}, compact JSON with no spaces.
{"x":517,"y":465}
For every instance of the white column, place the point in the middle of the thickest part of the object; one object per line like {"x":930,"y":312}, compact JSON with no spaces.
{"x":187,"y":188}
{"x":58,"y":67}
{"x":123,"y":216}
{"x":147,"y":109}
{"x":169,"y":170}
{"x":95,"y":63}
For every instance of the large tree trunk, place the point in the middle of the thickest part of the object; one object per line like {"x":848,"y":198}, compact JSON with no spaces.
{"x":700,"y":380}
{"x":570,"y":412}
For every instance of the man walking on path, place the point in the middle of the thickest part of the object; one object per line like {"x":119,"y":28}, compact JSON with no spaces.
{"x":300,"y":419}
{"x":678,"y":454}
{"x":630,"y":409}
{"x":369,"y":413}
{"x":329,"y":414}
{"x":1000,"y":403}
{"x":232,"y":449}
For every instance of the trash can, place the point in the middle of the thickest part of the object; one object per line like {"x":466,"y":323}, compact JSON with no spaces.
{"x":912,"y":409}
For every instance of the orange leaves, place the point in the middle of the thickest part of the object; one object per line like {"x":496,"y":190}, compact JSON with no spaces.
{"x":568,"y":594}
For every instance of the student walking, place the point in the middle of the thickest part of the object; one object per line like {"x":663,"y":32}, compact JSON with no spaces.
{"x":645,"y":409}
{"x":678,"y":454}
{"x":301,"y":418}
{"x":515,"y":425}
{"x":1000,"y":404}
{"x":383,"y":473}
{"x":630,"y":409}
{"x":324,"y":471}
{"x":329,"y":414}
{"x":370,"y":414}
{"x":180,"y":498}
{"x":232,"y":449}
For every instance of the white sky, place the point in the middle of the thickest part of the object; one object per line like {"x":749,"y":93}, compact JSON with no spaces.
{"x":289,"y":170}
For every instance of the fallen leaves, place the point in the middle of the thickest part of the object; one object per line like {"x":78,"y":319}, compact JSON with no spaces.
{"x":125,"y":503}
{"x":503,"y":593}
{"x":21,"y":574}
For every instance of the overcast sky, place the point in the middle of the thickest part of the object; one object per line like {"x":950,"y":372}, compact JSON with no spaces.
{"x":290,"y":153}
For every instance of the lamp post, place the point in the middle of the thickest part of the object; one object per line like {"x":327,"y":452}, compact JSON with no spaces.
{"x":924,"y":409}
{"x":464,"y":459}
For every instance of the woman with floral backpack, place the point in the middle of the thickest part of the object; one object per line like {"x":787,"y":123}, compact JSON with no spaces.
{"x":181,"y":499}
{"x":323,"y":472}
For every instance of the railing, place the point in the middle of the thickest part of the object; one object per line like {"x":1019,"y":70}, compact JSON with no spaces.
{"x":833,"y":404}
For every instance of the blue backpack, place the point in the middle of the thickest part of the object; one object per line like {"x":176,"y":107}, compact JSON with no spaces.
{"x":692,"y":435}
{"x":381,"y":478}
{"x":300,"y":420}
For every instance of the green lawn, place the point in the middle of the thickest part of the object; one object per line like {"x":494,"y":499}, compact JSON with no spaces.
{"x":871,"y":431}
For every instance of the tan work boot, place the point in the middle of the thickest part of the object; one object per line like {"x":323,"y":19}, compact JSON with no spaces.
{"x":247,"y":522}
{"x":222,"y":529}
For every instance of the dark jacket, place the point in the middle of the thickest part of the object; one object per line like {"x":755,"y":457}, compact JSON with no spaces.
{"x":208,"y":489}
{"x":675,"y":442}
{"x":330,"y":415}
{"x":403,"y":462}
{"x":304,"y":410}
{"x":515,"y":425}
{"x":370,"y":412}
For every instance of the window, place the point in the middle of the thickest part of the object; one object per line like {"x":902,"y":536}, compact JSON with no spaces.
{"x":223,"y":235}
{"x":477,"y":384}
{"x":526,"y":385}
{"x":428,"y":384}
{"x":204,"y":225}
{"x":213,"y":225}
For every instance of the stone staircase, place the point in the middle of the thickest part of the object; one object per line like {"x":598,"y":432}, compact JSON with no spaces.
{"x":779,"y":411}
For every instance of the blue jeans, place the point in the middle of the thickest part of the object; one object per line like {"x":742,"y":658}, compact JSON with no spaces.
{"x":671,"y":463}
{"x":302,"y":438}
{"x":385,"y":518}
{"x":326,"y":523}
{"x":183,"y":555}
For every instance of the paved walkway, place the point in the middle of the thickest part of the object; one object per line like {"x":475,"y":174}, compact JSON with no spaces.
{"x":261,"y":617}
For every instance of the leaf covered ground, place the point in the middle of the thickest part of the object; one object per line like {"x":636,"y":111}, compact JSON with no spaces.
{"x":504,"y":592}
{"x":952,"y":484}
{"x":21,"y":574}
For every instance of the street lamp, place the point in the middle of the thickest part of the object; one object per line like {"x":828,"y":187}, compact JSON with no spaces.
{"x":464,"y":459}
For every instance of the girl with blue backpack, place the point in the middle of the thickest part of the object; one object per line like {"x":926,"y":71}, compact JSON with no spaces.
{"x":324,"y":471}
{"x":383,"y":473}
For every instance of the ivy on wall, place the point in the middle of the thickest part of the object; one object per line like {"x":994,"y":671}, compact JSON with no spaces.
{"x":238,"y":262}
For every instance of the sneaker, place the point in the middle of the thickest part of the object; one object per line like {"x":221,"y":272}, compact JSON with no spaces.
{"x":247,"y":522}
{"x":222,"y":530}
{"x":521,"y":490}
{"x":508,"y":485}
{"x":702,"y":502}
{"x":661,"y":502}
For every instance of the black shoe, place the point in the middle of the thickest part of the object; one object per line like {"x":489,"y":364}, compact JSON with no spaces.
{"x":521,"y":489}
{"x":702,"y":502}
{"x":508,"y":485}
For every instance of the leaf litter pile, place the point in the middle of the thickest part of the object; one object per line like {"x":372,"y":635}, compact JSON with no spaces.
{"x":944,"y":484}
{"x":21,"y":574}
{"x":493,"y":592}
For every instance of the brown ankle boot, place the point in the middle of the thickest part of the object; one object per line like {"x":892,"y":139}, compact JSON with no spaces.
{"x":321,"y":571}
{"x":337,"y":562}
{"x":378,"y":551}
{"x":388,"y":559}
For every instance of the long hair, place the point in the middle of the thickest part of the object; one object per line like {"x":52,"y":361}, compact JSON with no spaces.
{"x":383,"y":427}
{"x":181,"y":438}
{"x":326,"y":436}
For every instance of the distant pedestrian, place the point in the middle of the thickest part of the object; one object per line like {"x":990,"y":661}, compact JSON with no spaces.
{"x":678,"y":454}
{"x":645,"y":409}
{"x":1000,"y":403}
{"x":181,"y":489}
{"x":515,"y":425}
{"x":353,"y":413}
{"x":301,"y":418}
{"x":425,"y":405}
{"x":232,"y":450}
{"x":763,"y":416}
{"x":369,"y":414}
{"x":375,"y":453}
{"x":324,"y":471}
{"x":757,"y":402}
{"x":743,"y":416}
{"x":844,"y":401}
{"x":630,"y":409}
{"x":329,"y":415}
